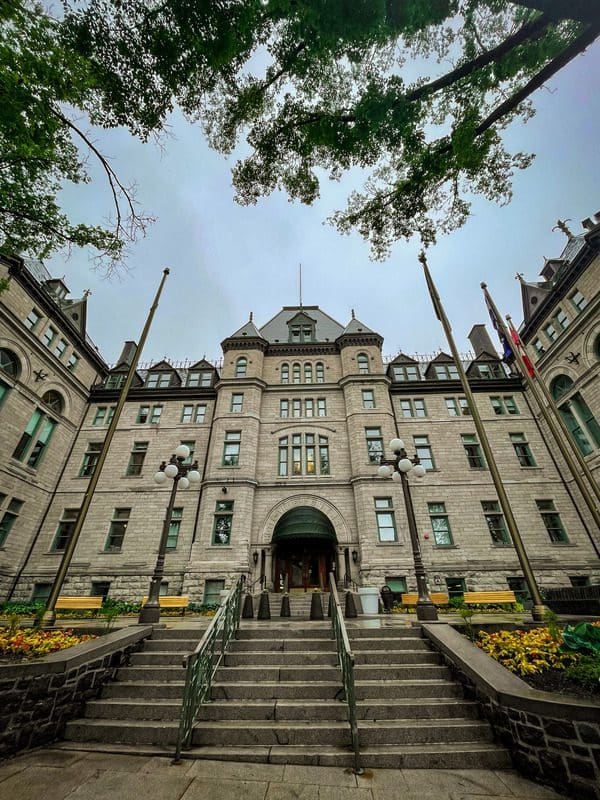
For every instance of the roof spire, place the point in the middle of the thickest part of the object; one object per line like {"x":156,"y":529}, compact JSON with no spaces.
{"x":520,"y":277}
{"x":352,"y":313}
{"x":250,"y":320}
{"x":300,"y":282}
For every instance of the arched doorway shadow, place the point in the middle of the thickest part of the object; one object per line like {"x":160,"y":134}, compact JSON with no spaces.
{"x":304,"y":550}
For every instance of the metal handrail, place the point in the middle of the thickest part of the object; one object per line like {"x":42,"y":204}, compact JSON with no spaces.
{"x":346,"y":659}
{"x":201,"y":665}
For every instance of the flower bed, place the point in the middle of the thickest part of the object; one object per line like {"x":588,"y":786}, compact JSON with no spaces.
{"x":31,"y":643}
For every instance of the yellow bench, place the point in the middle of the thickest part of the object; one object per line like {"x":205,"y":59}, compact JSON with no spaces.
{"x":65,"y":602}
{"x":489,"y":597}
{"x":439,"y":598}
{"x":171,"y":601}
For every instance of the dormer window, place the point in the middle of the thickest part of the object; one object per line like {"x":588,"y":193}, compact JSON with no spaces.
{"x":158,"y":380}
{"x":490,"y":370}
{"x":407,"y":372}
{"x":114,"y":381}
{"x":446,"y":372}
{"x":302,"y":333}
{"x":196,"y":379}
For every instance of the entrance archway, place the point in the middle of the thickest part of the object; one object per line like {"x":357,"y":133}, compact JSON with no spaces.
{"x":304,"y":543}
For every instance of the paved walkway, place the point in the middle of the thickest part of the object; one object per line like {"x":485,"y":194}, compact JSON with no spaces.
{"x":57,"y":774}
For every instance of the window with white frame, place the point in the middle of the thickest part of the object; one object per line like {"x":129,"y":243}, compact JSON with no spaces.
{"x":561,"y":319}
{"x":445,"y":372}
{"x":222,"y":522}
{"x":424,"y":452}
{"x":159,"y":380}
{"x":103,"y":415}
{"x":413,"y":408}
{"x":284,"y":408}
{"x":174,"y":528}
{"x":90,"y":459}
{"x":457,"y":407}
{"x":72,"y":362}
{"x":303,"y":454}
{"x":362,"y":361}
{"x":522,"y":449}
{"x":231,"y":448}
{"x":285,"y":373}
{"x":241,"y":367}
{"x":193,"y":413}
{"x":374,"y":441}
{"x":320,"y":372}
{"x":504,"y":405}
{"x":60,"y":348}
{"x":473,"y":450}
{"x":405,"y":372}
{"x":32,"y":319}
{"x":386,"y":521}
{"x":321,"y":407}
{"x":49,"y":336}
{"x":578,"y":301}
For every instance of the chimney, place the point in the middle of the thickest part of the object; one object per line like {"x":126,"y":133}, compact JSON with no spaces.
{"x":127,"y":353}
{"x":480,"y":340}
{"x":588,"y":224}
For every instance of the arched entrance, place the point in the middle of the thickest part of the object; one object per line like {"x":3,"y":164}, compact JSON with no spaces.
{"x":304,"y":550}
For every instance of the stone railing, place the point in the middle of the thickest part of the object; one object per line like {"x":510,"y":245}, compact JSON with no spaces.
{"x":37,"y":698}
{"x":551,"y":739}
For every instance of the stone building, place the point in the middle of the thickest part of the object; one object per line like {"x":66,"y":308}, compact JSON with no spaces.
{"x":288,"y":433}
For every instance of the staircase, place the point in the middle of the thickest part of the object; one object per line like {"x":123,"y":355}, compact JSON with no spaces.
{"x":299,"y":604}
{"x":277,"y":700}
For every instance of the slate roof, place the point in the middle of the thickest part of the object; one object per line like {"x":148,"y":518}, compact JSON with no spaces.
{"x":276,"y":331}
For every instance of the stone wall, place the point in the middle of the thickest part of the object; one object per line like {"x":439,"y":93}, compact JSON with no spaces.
{"x":551,"y":740}
{"x":38,"y":698}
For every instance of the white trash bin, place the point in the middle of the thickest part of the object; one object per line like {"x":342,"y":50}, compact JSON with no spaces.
{"x":369,"y":597}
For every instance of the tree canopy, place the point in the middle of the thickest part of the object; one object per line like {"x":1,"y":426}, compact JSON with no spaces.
{"x":415,"y":93}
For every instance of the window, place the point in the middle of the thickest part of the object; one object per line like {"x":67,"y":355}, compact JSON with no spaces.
{"x":196,"y":379}
{"x":189,"y":413}
{"x":285,"y":373}
{"x":455,"y":587}
{"x":406,"y":372}
{"x":90,"y":459}
{"x":561,"y":319}
{"x":301,"y":456}
{"x":241,"y":367}
{"x":54,"y":401}
{"x":490,"y":370}
{"x":231,"y":448}
{"x":4,"y":390}
{"x":9,"y":363}
{"x":222,"y":522}
{"x":495,"y":521}
{"x":576,"y":415}
{"x":60,"y":348}
{"x":191,"y":447}
{"x":100,"y":589}
{"x":413,"y":408}
{"x":296,"y":373}
{"x":296,"y":408}
{"x":212,"y":591}
{"x":552,"y":521}
{"x":473,"y":451}
{"x":309,"y":408}
{"x":397,"y":584}
{"x":9,"y":517}
{"x":579,"y":580}
{"x":308,"y":372}
{"x":32,"y":319}
{"x":117,"y":530}
{"x":162,"y":380}
{"x":457,"y":407}
{"x":440,"y":524}
{"x":41,"y":592}
{"x":39,"y":431}
{"x":521,"y":590}
{"x":578,"y":300}
{"x":147,"y":414}
{"x":550,"y":332}
{"x":321,"y":407}
{"x":374,"y":444}
{"x":445,"y":372}
{"x":49,"y":336}
{"x":362,"y":360}
{"x":65,"y":529}
{"x":174,"y":528}
{"x":538,"y":347}
{"x":103,"y":415}
{"x":386,"y":522}
{"x":368,"y":398}
{"x":424,"y":452}
{"x":237,"y":403}
{"x":504,"y":405}
{"x":284,"y":408}
{"x":115,"y":381}
{"x":301,"y":333}
{"x":320,"y":372}
{"x":519,"y":442}
{"x":136,"y":459}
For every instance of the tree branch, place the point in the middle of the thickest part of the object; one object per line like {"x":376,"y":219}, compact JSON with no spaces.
{"x":582,"y":10}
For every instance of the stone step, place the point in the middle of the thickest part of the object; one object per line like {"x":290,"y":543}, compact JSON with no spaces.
{"x":184,"y":631}
{"x":270,"y":733}
{"x":274,"y":629}
{"x":408,"y":756}
{"x":321,"y":645}
{"x":377,"y":657}
{"x":145,"y":689}
{"x":171,"y":645}
{"x":324,"y":673}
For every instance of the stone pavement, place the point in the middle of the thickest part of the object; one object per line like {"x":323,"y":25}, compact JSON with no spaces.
{"x":56,"y":773}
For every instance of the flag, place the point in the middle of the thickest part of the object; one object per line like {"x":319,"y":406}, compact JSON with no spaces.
{"x":506,"y":346}
{"x":526,"y":360}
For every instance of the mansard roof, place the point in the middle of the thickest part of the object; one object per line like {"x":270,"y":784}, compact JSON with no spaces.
{"x":202,"y":364}
{"x":276,"y":330}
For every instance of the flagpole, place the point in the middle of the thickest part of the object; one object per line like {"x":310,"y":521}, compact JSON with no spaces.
{"x":49,"y":616}
{"x":538,"y":609}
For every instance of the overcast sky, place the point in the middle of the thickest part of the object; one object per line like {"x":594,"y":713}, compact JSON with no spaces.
{"x":227,"y":260}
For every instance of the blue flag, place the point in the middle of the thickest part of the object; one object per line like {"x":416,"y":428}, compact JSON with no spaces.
{"x":506,"y":345}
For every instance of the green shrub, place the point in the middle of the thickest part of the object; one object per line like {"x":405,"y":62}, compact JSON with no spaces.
{"x":583,"y":638}
{"x":586,"y":672}
{"x":23,"y":609}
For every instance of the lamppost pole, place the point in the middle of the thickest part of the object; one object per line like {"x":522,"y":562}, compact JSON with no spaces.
{"x":182,"y":475}
{"x":397,"y":469}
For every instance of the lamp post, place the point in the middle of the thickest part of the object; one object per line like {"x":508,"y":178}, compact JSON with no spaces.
{"x":182,"y":475}
{"x":398,"y":469}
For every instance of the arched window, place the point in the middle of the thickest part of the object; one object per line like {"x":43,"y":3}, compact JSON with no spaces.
{"x":296,"y":373}
{"x":362,"y":359}
{"x":54,"y":401}
{"x":560,"y":386}
{"x":241,"y":365}
{"x":597,"y":347}
{"x":576,"y":415}
{"x":285,"y":373}
{"x":9,"y":363}
{"x":308,"y":372}
{"x":320,"y":372}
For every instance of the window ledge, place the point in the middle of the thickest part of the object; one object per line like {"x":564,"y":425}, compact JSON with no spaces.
{"x":563,"y":544}
{"x":445,"y":547}
{"x":113,"y":551}
{"x":531,"y":467}
{"x":389,"y":544}
{"x":222,"y":546}
{"x":501,"y":545}
{"x":141,"y":475}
